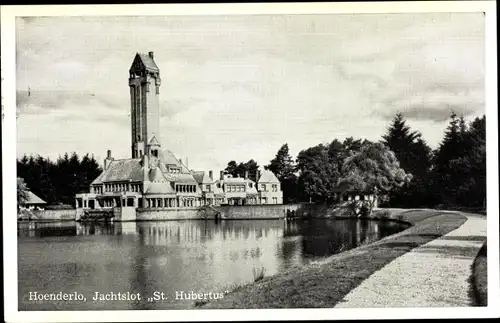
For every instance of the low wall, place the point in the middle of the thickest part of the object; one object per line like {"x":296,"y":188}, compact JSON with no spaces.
{"x":168,"y":214}
{"x":123,"y":214}
{"x":228,"y":212}
{"x":273,"y":211}
{"x":224,"y":212}
{"x":307,"y":210}
{"x":54,"y":215}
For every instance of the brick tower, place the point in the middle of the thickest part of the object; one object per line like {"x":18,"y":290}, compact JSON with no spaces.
{"x":144,"y":83}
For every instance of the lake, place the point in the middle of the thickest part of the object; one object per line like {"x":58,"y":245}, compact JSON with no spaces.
{"x":152,"y":263}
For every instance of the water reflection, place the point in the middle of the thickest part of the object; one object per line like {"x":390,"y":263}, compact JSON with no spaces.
{"x":144,"y":257}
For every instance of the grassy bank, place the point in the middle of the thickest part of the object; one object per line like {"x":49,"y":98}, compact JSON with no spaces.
{"x":325,"y":283}
{"x":479,"y":278}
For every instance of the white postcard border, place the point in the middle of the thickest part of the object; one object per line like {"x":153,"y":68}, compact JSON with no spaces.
{"x":9,"y":136}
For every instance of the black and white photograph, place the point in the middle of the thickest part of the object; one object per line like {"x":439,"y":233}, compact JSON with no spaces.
{"x":293,"y":160}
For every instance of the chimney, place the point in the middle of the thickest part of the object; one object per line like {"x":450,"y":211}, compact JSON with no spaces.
{"x":152,"y":55}
{"x":145,"y":167}
{"x":221,"y":175}
{"x":108,"y":160}
{"x":211,"y":175}
{"x":246,"y":174}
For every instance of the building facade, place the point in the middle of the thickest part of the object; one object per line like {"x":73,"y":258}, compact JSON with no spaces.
{"x":153,"y":178}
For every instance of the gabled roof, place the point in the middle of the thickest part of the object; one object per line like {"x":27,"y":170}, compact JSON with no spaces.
{"x":202,"y":177}
{"x":122,"y":170}
{"x":268,"y":177}
{"x":31,"y":198}
{"x":218,"y":190}
{"x":153,"y":141}
{"x":167,"y":157}
{"x":159,"y":188}
{"x":98,"y":180}
{"x":253,"y":189}
{"x":144,"y":61}
{"x":180,"y":178}
{"x":155,"y":175}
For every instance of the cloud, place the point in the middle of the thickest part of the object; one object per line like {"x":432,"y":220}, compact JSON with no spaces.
{"x":434,"y":113}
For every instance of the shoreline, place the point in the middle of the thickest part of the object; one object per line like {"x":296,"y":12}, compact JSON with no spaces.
{"x":325,"y":283}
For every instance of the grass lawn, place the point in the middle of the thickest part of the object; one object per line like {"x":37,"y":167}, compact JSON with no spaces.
{"x":325,"y":283}
{"x":479,"y":279}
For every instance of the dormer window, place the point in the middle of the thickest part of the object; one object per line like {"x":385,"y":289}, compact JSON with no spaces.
{"x":154,"y":152}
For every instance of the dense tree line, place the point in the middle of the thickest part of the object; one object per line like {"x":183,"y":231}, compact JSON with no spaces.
{"x":58,"y":182}
{"x":401,"y":165}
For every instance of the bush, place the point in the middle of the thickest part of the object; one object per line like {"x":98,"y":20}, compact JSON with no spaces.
{"x":364,"y":211}
{"x":384,"y":215}
{"x":258,"y":274}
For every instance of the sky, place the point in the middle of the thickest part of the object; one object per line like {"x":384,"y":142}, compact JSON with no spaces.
{"x":238,"y":87}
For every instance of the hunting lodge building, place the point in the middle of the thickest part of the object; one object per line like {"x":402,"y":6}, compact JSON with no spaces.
{"x":154,"y":177}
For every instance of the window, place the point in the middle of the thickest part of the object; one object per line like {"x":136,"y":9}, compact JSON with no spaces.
{"x":250,"y":185}
{"x":207,"y":188}
{"x":130,"y":201}
{"x":263,"y":187}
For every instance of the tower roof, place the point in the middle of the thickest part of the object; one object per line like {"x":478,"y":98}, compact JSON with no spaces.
{"x":144,"y":61}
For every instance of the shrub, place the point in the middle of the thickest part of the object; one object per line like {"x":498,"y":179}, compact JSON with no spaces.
{"x":258,"y":274}
{"x":384,"y":215}
{"x":364,"y":210}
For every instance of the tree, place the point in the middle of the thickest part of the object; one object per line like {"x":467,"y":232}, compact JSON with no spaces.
{"x":251,"y":167}
{"x":463,"y":178}
{"x":231,"y":168}
{"x":414,"y":156}
{"x":317,"y":175}
{"x":283,"y":167}
{"x":239,"y":170}
{"x":452,"y":160}
{"x":373,"y":170}
{"x":22,"y":192}
{"x":282,"y":164}
{"x":58,"y":182}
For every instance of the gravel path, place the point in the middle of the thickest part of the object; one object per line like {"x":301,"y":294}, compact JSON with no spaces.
{"x":435,"y":274}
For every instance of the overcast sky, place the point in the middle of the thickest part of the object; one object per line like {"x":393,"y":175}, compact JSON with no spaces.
{"x":238,"y":87}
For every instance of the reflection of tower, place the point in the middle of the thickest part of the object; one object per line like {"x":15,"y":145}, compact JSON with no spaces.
{"x":144,"y":83}
{"x":140,"y":280}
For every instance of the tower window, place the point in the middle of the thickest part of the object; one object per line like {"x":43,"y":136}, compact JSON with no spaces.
{"x":154,"y":152}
